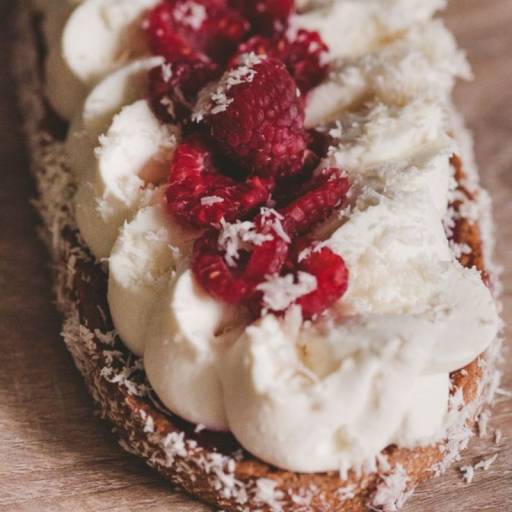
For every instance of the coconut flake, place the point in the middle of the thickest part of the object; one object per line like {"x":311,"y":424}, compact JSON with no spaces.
{"x":274,"y":219}
{"x":392,"y":492}
{"x":346,"y":493}
{"x":211,"y":200}
{"x":486,"y":463}
{"x":166,"y":71}
{"x":268,"y":494}
{"x":483,"y":421}
{"x":169,"y":105}
{"x":280,"y":292}
{"x":190,"y":14}
{"x":468,"y":473}
{"x":239,"y":236}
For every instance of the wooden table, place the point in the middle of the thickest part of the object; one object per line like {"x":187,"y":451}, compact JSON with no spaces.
{"x":56,"y":456}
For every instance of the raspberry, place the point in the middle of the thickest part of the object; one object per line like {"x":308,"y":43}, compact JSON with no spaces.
{"x":236,"y":285}
{"x":198,"y":194}
{"x":316,"y":201}
{"x":327,"y":268}
{"x":332,"y":281}
{"x":304,"y":55}
{"x":302,"y":52}
{"x":259,"y":45}
{"x":162,"y":36}
{"x":181,"y":28}
{"x":266,"y":16}
{"x":173,"y":87}
{"x":256,"y":117}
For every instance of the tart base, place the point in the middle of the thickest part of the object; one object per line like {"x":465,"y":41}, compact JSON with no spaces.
{"x":212,"y":466}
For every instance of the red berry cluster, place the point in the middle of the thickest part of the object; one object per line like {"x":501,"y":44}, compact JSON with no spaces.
{"x":302,"y":52}
{"x":283,"y":250}
{"x":234,"y":78}
{"x":201,"y":195}
{"x":198,"y":37}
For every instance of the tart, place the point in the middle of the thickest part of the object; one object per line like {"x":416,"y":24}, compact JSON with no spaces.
{"x":273,"y":255}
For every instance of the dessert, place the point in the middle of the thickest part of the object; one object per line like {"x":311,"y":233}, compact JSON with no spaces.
{"x":275,"y":263}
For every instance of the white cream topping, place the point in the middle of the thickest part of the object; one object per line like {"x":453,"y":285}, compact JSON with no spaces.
{"x":144,"y":259}
{"x":423,"y":63}
{"x":334,"y":408}
{"x":133,"y":155}
{"x":116,"y":90}
{"x":353,"y":27}
{"x":327,"y":396}
{"x":187,"y":335}
{"x":98,"y":36}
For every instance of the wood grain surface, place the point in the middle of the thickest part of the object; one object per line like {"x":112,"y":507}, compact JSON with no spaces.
{"x":55,"y":455}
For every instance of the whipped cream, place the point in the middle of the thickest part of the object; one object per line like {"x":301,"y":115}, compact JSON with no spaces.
{"x":353,"y":27}
{"x":422,"y":63}
{"x":98,"y":36}
{"x":133,"y":156}
{"x":188,"y":334}
{"x":144,"y":260}
{"x":115,"y":91}
{"x":375,"y":370}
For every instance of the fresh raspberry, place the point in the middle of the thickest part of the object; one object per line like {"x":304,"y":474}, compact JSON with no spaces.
{"x":303,"y":53}
{"x":332,"y":280}
{"x":266,"y":16}
{"x":163,"y":37}
{"x":237,"y":285}
{"x":181,"y":28}
{"x":256,"y":117}
{"x":198,"y":194}
{"x":316,"y":201}
{"x":173,"y":88}
{"x":259,"y":45}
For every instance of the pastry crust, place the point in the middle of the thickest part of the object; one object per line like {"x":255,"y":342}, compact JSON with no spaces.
{"x":212,"y":466}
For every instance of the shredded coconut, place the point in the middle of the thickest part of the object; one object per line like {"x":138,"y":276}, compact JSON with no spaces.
{"x":337,"y":131}
{"x":239,"y":236}
{"x":211,"y":200}
{"x":268,"y":494}
{"x":459,"y":250}
{"x":468,"y":473}
{"x":274,"y":219}
{"x":191,"y":14}
{"x":107,"y":338}
{"x":485,"y":464}
{"x":392,"y":492}
{"x":346,"y":493}
{"x":483,"y":421}
{"x":280,"y":292}
{"x":169,"y":105}
{"x":166,"y":71}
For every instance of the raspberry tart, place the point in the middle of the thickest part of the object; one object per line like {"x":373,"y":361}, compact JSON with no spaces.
{"x":273,"y":255}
